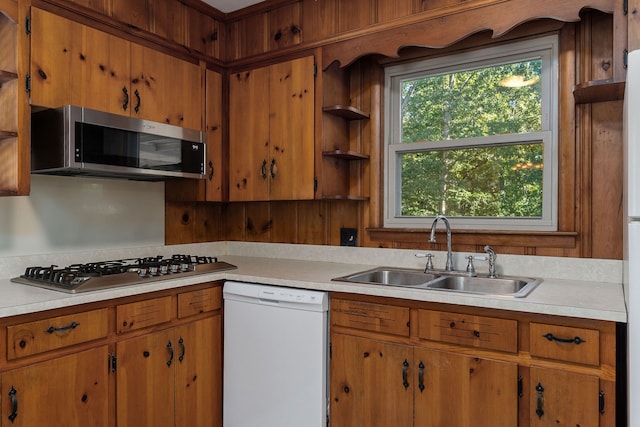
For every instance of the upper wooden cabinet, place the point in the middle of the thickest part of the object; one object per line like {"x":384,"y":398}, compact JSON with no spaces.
{"x":75,"y":64}
{"x":271,"y":132}
{"x":14,"y":107}
{"x":213,"y":126}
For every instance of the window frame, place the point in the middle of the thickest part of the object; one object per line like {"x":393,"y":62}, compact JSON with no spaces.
{"x":545,"y":47}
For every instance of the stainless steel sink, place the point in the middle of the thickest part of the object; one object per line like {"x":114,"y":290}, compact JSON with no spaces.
{"x":516,"y":287}
{"x":506,"y":286}
{"x":390,"y":276}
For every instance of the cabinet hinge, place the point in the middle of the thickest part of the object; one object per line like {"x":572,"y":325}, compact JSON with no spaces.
{"x":625,"y":7}
{"x":315,"y":184}
{"x":601,"y":402}
{"x":112,"y":363}
{"x":27,"y":83}
{"x":27,"y":25}
{"x":520,"y":387}
{"x":330,"y":350}
{"x":315,"y":69}
{"x":625,"y":58}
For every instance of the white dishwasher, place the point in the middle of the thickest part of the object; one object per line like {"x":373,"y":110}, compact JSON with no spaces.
{"x":275,"y":356}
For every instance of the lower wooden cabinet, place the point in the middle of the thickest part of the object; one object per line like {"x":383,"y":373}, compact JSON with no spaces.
{"x":375,"y":383}
{"x":171,"y":377}
{"x":561,"y":398}
{"x":69,"y":391}
{"x":448,"y":366}
{"x":153,"y":360}
{"x":458,"y":390}
{"x":370,"y":384}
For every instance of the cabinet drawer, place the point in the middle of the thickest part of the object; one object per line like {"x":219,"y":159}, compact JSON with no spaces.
{"x":196,"y":302}
{"x":371,"y":317}
{"x":142,"y":314}
{"x":475,"y":331}
{"x":577,"y":345}
{"x":57,"y":332}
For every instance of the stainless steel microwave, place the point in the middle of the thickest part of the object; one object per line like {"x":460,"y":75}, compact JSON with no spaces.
{"x":73,"y":140}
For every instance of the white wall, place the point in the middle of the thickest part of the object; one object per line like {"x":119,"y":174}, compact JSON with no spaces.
{"x":71,"y":214}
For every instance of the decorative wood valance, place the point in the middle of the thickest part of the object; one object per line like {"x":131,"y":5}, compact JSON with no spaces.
{"x":444,"y":26}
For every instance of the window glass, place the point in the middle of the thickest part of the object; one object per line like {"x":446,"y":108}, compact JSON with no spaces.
{"x":473,"y":136}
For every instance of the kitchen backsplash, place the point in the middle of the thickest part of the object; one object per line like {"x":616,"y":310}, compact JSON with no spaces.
{"x":70,"y":214}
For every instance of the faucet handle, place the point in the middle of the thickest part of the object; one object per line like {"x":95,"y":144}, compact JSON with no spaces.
{"x":429,"y":258}
{"x":470,"y":269}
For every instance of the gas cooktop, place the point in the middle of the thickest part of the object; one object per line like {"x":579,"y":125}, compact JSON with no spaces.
{"x":116,"y":273}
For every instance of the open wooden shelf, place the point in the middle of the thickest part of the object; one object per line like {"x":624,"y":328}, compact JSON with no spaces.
{"x":599,"y":91}
{"x":347,"y":155}
{"x":346,"y":112}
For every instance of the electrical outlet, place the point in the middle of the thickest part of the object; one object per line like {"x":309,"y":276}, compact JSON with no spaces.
{"x":348,"y":237}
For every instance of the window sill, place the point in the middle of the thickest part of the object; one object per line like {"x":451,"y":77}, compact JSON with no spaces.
{"x":533,"y":239}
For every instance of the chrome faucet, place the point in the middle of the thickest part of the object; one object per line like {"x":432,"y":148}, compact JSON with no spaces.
{"x":449,"y":266}
{"x":492,"y":261}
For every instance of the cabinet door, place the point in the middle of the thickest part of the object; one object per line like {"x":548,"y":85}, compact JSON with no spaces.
{"x":145,"y":380}
{"x":165,"y":89}
{"x":561,"y":398}
{"x":199,"y":373}
{"x":371,"y":383}
{"x":67,"y":391}
{"x":213,"y":126}
{"x":75,"y":64}
{"x":54,"y":42}
{"x":249,"y":135}
{"x":458,"y":390}
{"x":291,"y":129}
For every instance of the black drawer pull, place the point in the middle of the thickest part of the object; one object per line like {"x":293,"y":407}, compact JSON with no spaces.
{"x":69,"y":327}
{"x":14,"y":404}
{"x":576,"y":340}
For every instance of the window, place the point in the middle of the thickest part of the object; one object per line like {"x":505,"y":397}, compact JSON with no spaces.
{"x":474,"y":136}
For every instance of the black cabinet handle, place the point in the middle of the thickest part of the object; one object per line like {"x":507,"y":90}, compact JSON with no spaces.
{"x":170,"y":350}
{"x":125,"y":105}
{"x":137,"y":107}
{"x":182,"y":348}
{"x":273,"y":168}
{"x":601,"y":402}
{"x":421,"y":377}
{"x":405,"y":369}
{"x":210,"y":170}
{"x":14,"y":404}
{"x":69,"y":327}
{"x":577,"y":340}
{"x":263,"y":169}
{"x":539,"y":401}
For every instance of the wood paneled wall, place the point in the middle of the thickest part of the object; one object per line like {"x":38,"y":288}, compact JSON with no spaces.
{"x":590,"y":216}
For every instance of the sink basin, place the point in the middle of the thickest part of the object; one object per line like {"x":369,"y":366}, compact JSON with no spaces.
{"x":390,"y":276}
{"x":516,"y":287}
{"x":507,"y":286}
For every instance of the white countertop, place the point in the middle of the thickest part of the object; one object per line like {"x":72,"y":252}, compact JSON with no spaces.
{"x":573,"y":298}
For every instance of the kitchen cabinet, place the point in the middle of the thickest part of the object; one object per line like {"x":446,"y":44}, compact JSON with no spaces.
{"x":408,"y":363}
{"x":390,"y":384}
{"x":70,"y":391}
{"x":271,"y":132}
{"x":173,"y":376}
{"x":90,"y":68}
{"x":368,"y":378}
{"x":153,"y":359}
{"x":213,"y":187}
{"x":213,"y":127}
{"x":561,"y":398}
{"x":15,"y":113}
